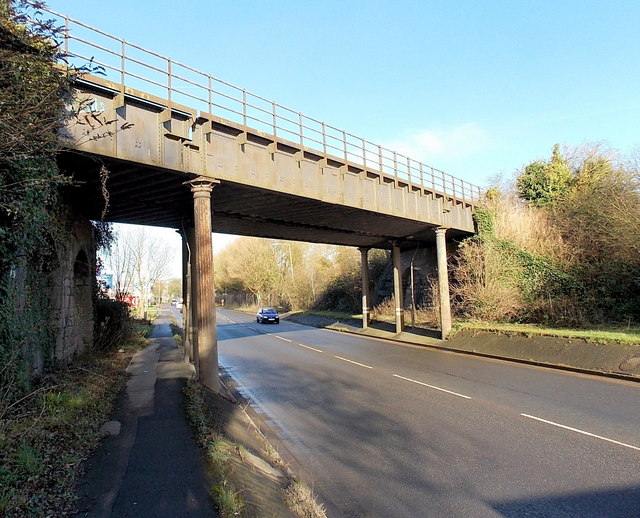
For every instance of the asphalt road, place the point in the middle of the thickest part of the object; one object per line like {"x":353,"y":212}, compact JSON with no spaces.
{"x":396,"y":431}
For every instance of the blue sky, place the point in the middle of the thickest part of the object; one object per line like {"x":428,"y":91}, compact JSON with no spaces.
{"x":473,"y":88}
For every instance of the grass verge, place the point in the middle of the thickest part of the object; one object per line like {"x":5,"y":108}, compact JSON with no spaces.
{"x":329,"y":314}
{"x":228,"y":500}
{"x":601,"y":336}
{"x":619,"y":335}
{"x":45,"y":436}
{"x":300,"y":499}
{"x":227,"y":458}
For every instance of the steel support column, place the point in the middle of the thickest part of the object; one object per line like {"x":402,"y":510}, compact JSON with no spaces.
{"x":397,"y":287}
{"x":364,"y":268}
{"x":443,"y":282}
{"x":205,"y":310}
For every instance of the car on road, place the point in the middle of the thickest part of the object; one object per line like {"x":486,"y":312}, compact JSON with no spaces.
{"x":265,"y":315}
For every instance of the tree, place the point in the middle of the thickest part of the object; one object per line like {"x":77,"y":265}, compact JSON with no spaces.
{"x":600,"y":220}
{"x":174,"y":288}
{"x":543,"y":183}
{"x":255,"y":266}
{"x":139,"y":261}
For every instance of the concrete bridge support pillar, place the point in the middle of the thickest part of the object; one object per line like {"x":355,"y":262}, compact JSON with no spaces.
{"x":205,"y":309}
{"x":364,"y":266}
{"x":398,"y":296}
{"x":443,"y":282}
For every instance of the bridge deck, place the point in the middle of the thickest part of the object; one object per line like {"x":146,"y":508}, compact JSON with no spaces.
{"x":270,"y":187}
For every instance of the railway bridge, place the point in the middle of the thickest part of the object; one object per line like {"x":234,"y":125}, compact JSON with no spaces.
{"x":151,"y":141}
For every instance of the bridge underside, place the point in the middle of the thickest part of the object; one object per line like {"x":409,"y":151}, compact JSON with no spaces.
{"x":149,"y":195}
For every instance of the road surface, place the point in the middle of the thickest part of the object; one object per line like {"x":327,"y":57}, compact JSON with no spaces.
{"x":400,"y":431}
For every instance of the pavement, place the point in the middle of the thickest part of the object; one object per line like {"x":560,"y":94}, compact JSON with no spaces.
{"x":615,"y":360}
{"x":149,"y":465}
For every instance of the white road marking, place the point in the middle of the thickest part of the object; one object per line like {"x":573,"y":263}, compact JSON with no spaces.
{"x":351,"y":361}
{"x":581,"y":432}
{"x":432,"y":386}
{"x":285,"y":339}
{"x":232,"y":321}
{"x":309,"y":347}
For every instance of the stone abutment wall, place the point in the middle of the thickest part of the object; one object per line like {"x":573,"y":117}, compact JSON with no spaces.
{"x":71,"y":292}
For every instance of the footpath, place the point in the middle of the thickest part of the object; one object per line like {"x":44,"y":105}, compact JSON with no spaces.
{"x":574,"y":354}
{"x":149,"y":464}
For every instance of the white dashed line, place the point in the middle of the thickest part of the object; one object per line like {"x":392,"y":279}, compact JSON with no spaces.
{"x":351,"y":361}
{"x":281,"y":338}
{"x":311,"y":348}
{"x":581,"y":431}
{"x":432,"y":386}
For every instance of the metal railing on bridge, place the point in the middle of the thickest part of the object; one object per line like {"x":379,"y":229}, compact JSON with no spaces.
{"x":136,"y":67}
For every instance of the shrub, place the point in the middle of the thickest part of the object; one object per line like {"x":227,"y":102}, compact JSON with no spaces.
{"x":113,"y":324}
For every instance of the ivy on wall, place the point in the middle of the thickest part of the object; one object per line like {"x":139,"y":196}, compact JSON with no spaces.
{"x":33,"y":93}
{"x":496,"y":280}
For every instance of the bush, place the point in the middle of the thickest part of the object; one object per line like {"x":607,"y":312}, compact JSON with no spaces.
{"x":113,"y":324}
{"x":486,"y":283}
{"x":570,"y":258}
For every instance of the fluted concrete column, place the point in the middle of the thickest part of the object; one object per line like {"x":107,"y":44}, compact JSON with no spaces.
{"x":397,"y":287}
{"x":443,"y":282}
{"x":364,"y":268}
{"x":205,"y":310}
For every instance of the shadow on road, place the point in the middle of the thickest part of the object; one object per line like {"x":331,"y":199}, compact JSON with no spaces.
{"x":615,"y":503}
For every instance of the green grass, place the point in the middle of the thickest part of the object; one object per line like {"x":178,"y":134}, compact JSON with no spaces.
{"x":27,"y":460}
{"x":222,"y":453}
{"x":331,"y":314}
{"x":226,"y":498}
{"x":229,"y":502}
{"x":142,"y":329}
{"x":622,"y":336}
{"x":45,"y":436}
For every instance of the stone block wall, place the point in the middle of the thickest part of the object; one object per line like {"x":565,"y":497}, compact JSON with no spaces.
{"x":71,"y":287}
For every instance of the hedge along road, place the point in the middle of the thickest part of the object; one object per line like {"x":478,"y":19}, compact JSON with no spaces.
{"x":400,"y":431}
